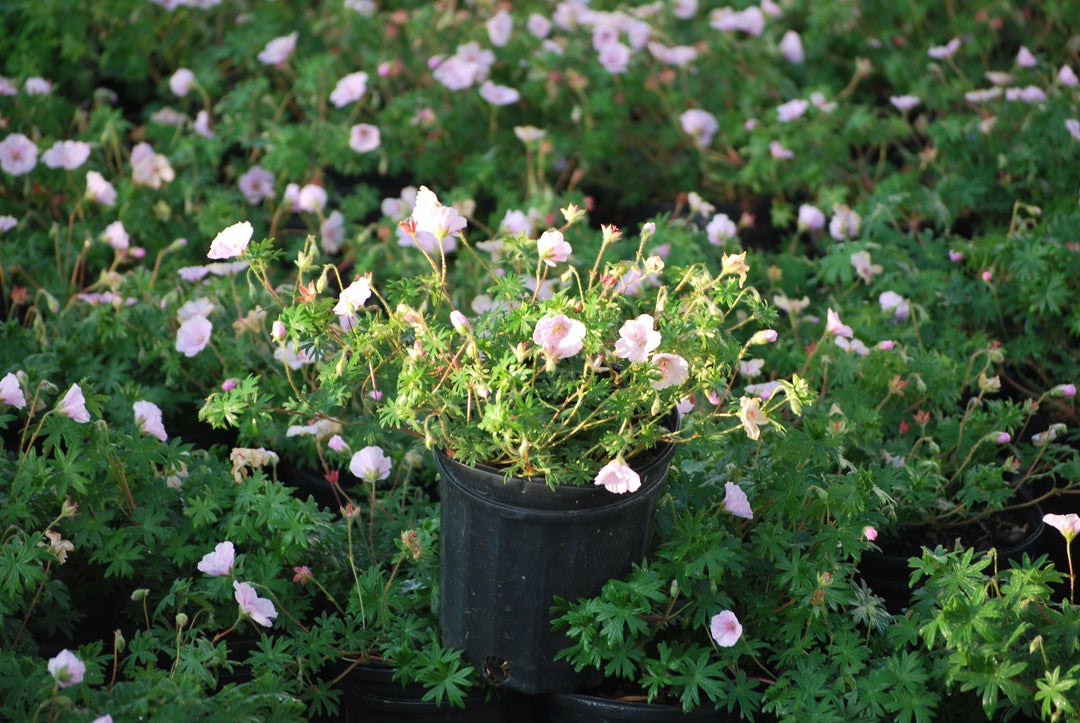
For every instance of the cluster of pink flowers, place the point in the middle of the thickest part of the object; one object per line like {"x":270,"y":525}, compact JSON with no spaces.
{"x":220,"y":563}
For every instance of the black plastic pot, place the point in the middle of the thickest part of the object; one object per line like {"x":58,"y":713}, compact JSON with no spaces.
{"x":578,"y":708}
{"x":510,"y":547}
{"x":888,"y":573}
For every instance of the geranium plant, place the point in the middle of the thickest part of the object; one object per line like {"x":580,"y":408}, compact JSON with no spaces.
{"x":560,"y":369}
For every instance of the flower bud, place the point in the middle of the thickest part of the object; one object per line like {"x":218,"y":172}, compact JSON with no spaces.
{"x":647,"y":231}
{"x":118,"y":640}
{"x":1064,"y":390}
{"x":69,"y":508}
{"x":673,"y":591}
{"x":181,"y":620}
{"x":277,"y":330}
{"x":765,"y":336}
{"x":459,"y":322}
{"x":572,"y":213}
{"x":140,"y":594}
{"x":1001,"y":437}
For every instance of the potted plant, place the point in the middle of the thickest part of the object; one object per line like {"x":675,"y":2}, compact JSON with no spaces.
{"x":567,"y":379}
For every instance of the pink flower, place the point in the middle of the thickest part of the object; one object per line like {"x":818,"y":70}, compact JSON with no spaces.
{"x":987,"y":276}
{"x":956,"y":256}
{"x":116,"y":236}
{"x":148,"y":168}
{"x":941,"y":52}
{"x":865,"y":270}
{"x":615,"y":57}
{"x":181,"y":81}
{"x":892,"y":300}
{"x":278,"y":50}
{"x":193,"y":335}
{"x":103,"y":719}
{"x":229,"y":384}
{"x":810,"y":218}
{"x":67,"y":668}
{"x":18,"y":154}
{"x":684,"y":9}
{"x":37,"y":86}
{"x":11,"y":391}
{"x":765,"y":390}
{"x":434,"y":218}
{"x":231,"y":242}
{"x":202,"y":124}
{"x":1025,"y":59}
{"x":736,"y":502}
{"x":259,"y":609}
{"x":720,"y":229}
{"x":1001,"y":437}
{"x":499,"y":27}
{"x":148,"y":417}
{"x":370,"y":464}
{"x":725,"y":629}
{"x":219,"y":562}
{"x":559,"y":336}
{"x":835,"y":327}
{"x":638,"y":338}
{"x":699,"y":124}
{"x":777,"y":151}
{"x":1073,"y":126}
{"x":349,"y":89}
{"x":869,"y":533}
{"x":66,"y":154}
{"x":904,"y":102}
{"x":1027,"y":94}
{"x":552,"y":248}
{"x":844,"y":224}
{"x":673,"y":368}
{"x":499,"y":94}
{"x":751,"y":416}
{"x":99,"y":190}
{"x":1068,"y":525}
{"x":201,"y":306}
{"x":791,"y":47}
{"x":8,"y":222}
{"x":751,"y":367}
{"x":1067,"y":77}
{"x":538,"y":25}
{"x":791,"y":110}
{"x":617,"y":477}
{"x":257,"y":184}
{"x":338,"y":444}
{"x":311,"y":198}
{"x":74,"y":405}
{"x":353,"y":297}
{"x":364,"y":138}
{"x":332,"y":232}
{"x":303,"y":574}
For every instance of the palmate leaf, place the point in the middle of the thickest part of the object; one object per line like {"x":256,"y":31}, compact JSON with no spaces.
{"x":1053,"y":691}
{"x":697,"y":676}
